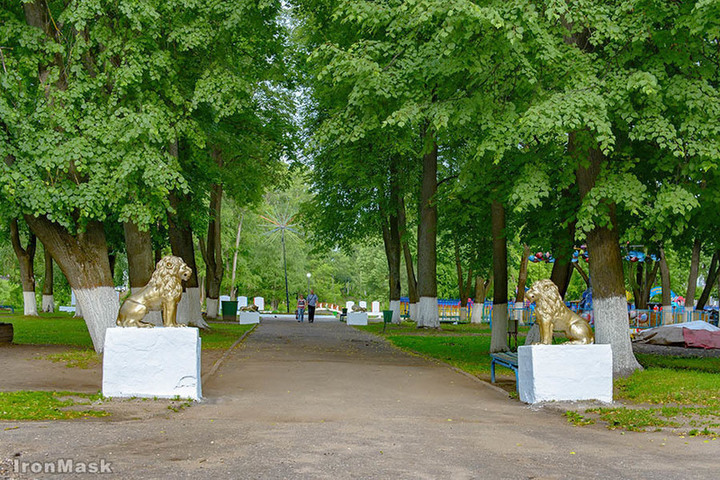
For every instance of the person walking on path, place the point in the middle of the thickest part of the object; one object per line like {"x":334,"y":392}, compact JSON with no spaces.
{"x":311,"y":302}
{"x":301,"y":308}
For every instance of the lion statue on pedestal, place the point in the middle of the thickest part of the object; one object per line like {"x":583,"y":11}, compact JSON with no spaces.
{"x":162,"y":292}
{"x":552,"y":314}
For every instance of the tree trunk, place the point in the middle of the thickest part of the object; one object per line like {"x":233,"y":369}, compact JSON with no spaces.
{"x":141,"y":265}
{"x":181,"y":243}
{"x":481,"y":287}
{"x":26,"y":259}
{"x":643,"y":283}
{"x":609,"y":302}
{"x":111,"y":262}
{"x":48,"y":298}
{"x":713,"y":276}
{"x":666,"y":292}
{"x":233,"y":287}
{"x":562,"y":251}
{"x":692,"y":277}
{"x":78,"y":308}
{"x":464,"y":285}
{"x":411,"y":280}
{"x":579,"y":269}
{"x":498,"y":341}
{"x":83,"y":258}
{"x":427,"y":311}
{"x":212,"y":252}
{"x":391,"y":240}
{"x":518,"y":308}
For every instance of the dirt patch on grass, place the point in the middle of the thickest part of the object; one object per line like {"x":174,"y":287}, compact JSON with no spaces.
{"x":675,"y":351}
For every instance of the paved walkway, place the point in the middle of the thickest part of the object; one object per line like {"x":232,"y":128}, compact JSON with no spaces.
{"x":326,"y":401}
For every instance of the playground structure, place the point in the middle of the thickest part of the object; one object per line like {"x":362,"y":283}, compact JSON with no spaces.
{"x":449,"y":311}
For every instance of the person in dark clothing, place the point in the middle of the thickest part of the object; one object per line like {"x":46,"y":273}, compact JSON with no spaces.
{"x":311,"y":303}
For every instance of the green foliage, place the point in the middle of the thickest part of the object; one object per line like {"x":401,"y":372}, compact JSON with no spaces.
{"x":11,"y":294}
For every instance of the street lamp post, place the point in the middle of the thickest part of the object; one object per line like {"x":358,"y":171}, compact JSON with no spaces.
{"x":308,"y":277}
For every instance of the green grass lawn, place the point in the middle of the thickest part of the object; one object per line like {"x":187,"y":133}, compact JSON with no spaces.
{"x":469,"y":353}
{"x":445,"y":329}
{"x":25,"y":405}
{"x":222,"y":335}
{"x":49,"y":329}
{"x":63,"y":329}
{"x":676,"y":393}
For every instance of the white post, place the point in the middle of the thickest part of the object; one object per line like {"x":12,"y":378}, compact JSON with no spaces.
{"x":259,"y":302}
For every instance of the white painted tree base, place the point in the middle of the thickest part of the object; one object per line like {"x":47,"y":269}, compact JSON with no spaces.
{"x":213,"y":304}
{"x":395,"y":307}
{"x":357,"y":318}
{"x":248,"y":318}
{"x":29,"y":304}
{"x":498,"y":340}
{"x":412,"y":311}
{"x":152,"y":362}
{"x":518,"y":312}
{"x":611,"y":327}
{"x":190,"y":309}
{"x":565,"y":373}
{"x":477,"y":313}
{"x":99,"y":308}
{"x":48,"y":303}
{"x":427,"y":313}
{"x":195,"y":308}
{"x":668,"y":317}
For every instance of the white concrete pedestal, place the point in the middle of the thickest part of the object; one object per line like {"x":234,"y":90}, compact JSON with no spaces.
{"x":152,"y":362}
{"x":246,"y":318}
{"x":357,"y":318}
{"x":565,"y":372}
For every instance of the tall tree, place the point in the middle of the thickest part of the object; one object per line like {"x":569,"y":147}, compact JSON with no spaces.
{"x":212,"y":248}
{"x":427,"y":311}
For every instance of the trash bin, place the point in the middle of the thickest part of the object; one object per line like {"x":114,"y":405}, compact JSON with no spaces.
{"x":387,"y":318}
{"x":229,"y":310}
{"x":6,"y":332}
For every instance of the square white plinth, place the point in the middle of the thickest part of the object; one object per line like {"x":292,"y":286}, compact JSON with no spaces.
{"x":357,"y":318}
{"x":152,"y":362}
{"x":246,"y":318}
{"x":565,"y":372}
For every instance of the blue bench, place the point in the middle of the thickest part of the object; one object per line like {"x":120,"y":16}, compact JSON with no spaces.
{"x":505,"y":359}
{"x":7,"y":308}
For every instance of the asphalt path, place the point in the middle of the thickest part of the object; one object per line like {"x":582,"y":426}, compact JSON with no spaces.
{"x":324,"y":400}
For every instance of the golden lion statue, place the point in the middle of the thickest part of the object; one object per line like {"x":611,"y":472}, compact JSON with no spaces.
{"x":163,"y":291}
{"x":552,"y":314}
{"x":249,"y":308}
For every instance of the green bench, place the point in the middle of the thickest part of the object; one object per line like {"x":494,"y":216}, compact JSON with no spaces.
{"x":505,"y":359}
